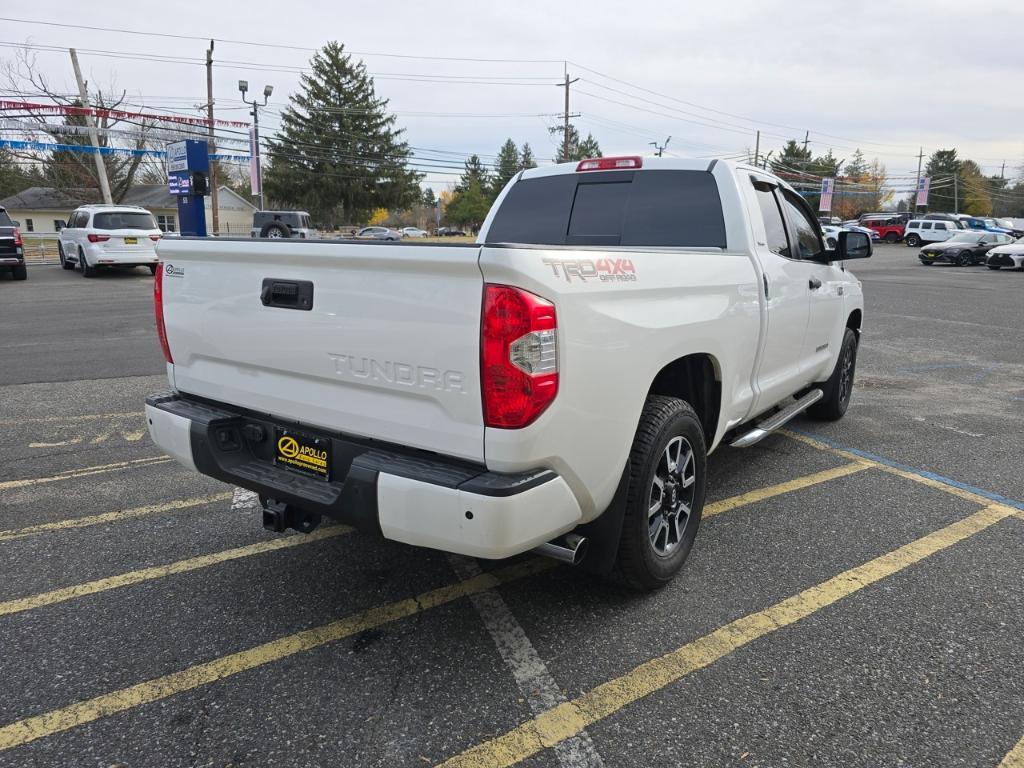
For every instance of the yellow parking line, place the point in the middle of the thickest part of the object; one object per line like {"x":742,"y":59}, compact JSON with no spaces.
{"x":566,"y":720}
{"x":1015,"y":759}
{"x":65,"y":419}
{"x":84,"y":472}
{"x":799,"y":483}
{"x":110,"y":517}
{"x":160,"y":571}
{"x":55,"y":721}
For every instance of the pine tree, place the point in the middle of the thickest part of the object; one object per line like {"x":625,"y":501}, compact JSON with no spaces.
{"x":792,"y":159}
{"x":338,"y":153}
{"x":578,"y":150}
{"x":428,"y":198}
{"x":506,"y":166}
{"x":469,"y":206}
{"x":474,"y":171}
{"x":942,"y":167}
{"x":526,"y":159}
{"x":587,"y":148}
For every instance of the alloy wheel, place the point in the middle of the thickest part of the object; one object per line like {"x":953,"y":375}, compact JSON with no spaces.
{"x":670,"y":500}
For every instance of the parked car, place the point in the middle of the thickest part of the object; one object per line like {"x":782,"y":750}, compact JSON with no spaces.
{"x":378,"y":233}
{"x":12,"y":249}
{"x":831,"y":234}
{"x":963,"y":248}
{"x":855,"y":227}
{"x":399,"y":402}
{"x":984,"y":224}
{"x":104,"y":236}
{"x":953,"y":217}
{"x":450,"y":232}
{"x":413,"y":232}
{"x":281,"y":224}
{"x":1007,"y":255}
{"x":1010,"y":227}
{"x":889,"y":228}
{"x":920,"y":231}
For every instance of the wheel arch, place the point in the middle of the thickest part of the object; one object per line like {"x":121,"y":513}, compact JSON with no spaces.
{"x":853,"y":322}
{"x":697,"y":379}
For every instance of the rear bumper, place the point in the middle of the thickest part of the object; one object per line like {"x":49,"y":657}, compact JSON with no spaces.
{"x":414,"y":497}
{"x":11,"y":261}
{"x":100,"y":256}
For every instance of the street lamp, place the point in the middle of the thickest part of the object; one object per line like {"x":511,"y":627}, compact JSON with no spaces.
{"x":268,"y":90}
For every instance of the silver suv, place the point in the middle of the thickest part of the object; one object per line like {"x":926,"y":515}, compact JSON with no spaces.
{"x":276,"y":224}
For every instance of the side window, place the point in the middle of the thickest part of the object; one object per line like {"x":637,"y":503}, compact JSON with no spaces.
{"x":940,"y":225}
{"x":926,"y":225}
{"x":913,"y":225}
{"x":774,"y":229}
{"x":808,"y":241}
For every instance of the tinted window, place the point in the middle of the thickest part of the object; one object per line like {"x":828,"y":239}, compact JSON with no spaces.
{"x":774,"y":229}
{"x":123,"y":220}
{"x":5,"y":220}
{"x":645,"y":208}
{"x":926,"y":225}
{"x":940,"y":225}
{"x":807,"y":240}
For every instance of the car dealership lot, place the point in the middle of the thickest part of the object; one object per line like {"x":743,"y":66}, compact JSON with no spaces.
{"x":854,"y":596}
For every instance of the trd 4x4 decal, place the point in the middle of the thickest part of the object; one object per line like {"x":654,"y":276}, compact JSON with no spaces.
{"x":606,"y":270}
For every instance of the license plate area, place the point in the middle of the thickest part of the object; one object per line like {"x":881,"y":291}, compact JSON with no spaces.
{"x":302,"y":453}
{"x":131,"y":241}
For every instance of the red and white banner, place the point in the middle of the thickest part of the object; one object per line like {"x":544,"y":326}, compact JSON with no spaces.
{"x":828,"y":186}
{"x":113,"y":114}
{"x":922,"y":190}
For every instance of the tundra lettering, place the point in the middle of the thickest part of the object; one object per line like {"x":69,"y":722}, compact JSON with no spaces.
{"x":397,"y":373}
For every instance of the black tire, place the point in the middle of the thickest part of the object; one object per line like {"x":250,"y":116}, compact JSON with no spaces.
{"x":64,"y":263}
{"x":19,"y":272}
{"x":926,"y":262}
{"x":276,"y":230}
{"x":663,"y":421}
{"x":152,"y":268}
{"x":993,"y":266}
{"x":892,"y":237}
{"x":83,"y":264}
{"x":913,"y":240}
{"x":839,"y":387}
{"x":964,"y":259}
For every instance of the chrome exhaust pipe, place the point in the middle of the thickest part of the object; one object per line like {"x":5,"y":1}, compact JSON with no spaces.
{"x":572,"y":553}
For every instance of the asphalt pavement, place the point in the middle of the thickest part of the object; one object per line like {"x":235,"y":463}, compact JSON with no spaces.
{"x":855,"y":596}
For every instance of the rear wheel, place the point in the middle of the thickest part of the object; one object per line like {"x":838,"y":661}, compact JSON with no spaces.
{"x":892,"y":237}
{"x":964,"y":259}
{"x":152,"y":269}
{"x":19,"y":272}
{"x":667,"y":471}
{"x":83,"y":264}
{"x":913,"y":240}
{"x":839,"y":387}
{"x":63,"y":260}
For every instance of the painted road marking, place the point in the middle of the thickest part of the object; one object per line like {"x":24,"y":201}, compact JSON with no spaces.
{"x":160,"y":571}
{"x":111,"y":517}
{"x":535,"y":682}
{"x":566,"y":720}
{"x":924,"y":477}
{"x":70,"y":419}
{"x":768,"y":492}
{"x":39,"y":726}
{"x":84,"y":472}
{"x":1015,"y":758}
{"x":129,"y":435}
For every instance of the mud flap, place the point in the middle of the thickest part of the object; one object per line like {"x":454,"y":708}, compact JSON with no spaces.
{"x":603,"y":534}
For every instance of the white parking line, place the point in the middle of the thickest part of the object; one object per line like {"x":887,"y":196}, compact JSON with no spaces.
{"x":530,"y":673}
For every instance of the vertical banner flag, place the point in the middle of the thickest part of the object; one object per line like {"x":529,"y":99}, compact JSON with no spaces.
{"x":922,"y":190}
{"x":827,"y":188}
{"x":254,"y":181}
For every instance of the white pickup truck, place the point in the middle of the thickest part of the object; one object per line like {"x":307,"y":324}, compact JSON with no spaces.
{"x":555,"y":386}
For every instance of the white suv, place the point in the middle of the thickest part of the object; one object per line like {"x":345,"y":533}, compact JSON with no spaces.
{"x":920,"y":231}
{"x":108,"y":236}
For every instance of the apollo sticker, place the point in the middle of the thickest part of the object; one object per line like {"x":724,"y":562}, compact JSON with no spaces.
{"x":310,"y":455}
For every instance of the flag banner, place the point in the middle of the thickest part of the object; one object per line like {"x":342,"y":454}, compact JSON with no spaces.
{"x":164,"y":135}
{"x":43,"y":146}
{"x":113,"y":114}
{"x":827,"y":188}
{"x":922,"y":190}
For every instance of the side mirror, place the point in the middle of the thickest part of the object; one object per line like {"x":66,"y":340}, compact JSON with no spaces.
{"x":852,"y":245}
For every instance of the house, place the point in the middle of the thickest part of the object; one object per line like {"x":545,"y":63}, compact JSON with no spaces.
{"x":44,"y":210}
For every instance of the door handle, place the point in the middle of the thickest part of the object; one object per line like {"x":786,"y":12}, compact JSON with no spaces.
{"x":814,"y":283}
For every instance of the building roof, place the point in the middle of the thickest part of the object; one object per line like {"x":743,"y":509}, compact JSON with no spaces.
{"x":151,"y":196}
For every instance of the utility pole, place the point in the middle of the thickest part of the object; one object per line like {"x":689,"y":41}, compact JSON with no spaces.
{"x":101,"y":167}
{"x":807,"y":139}
{"x":1002,"y":171}
{"x":660,"y":148}
{"x":243,"y":87}
{"x":211,"y":142}
{"x":956,"y":192}
{"x":757,"y":148}
{"x":917,"y":184}
{"x":565,"y":118}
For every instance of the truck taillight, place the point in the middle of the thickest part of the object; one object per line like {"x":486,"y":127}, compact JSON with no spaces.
{"x":518,"y":356}
{"x":158,"y":309}
{"x":17,"y":238}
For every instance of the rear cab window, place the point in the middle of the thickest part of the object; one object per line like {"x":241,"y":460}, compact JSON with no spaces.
{"x":5,"y":220}
{"x":652,"y":208}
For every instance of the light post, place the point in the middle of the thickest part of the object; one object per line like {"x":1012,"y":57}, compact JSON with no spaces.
{"x":243,"y":87}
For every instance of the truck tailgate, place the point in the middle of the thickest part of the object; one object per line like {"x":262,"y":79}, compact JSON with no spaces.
{"x":388,"y":350}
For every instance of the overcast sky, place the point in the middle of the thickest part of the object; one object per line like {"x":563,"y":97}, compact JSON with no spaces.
{"x":887,"y":77}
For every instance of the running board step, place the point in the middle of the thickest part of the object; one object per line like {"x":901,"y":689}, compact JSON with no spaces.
{"x":772,"y":423}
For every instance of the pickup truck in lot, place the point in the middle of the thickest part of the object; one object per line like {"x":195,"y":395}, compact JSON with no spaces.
{"x":12,"y":249}
{"x":555,"y":386}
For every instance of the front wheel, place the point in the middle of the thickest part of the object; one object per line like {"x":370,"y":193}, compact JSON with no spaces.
{"x":964,"y":259}
{"x":892,"y":237}
{"x":667,"y":472}
{"x":913,"y":241}
{"x":839,"y":387}
{"x":993,"y":266}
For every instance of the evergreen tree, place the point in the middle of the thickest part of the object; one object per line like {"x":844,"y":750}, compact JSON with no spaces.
{"x":578,"y":150}
{"x":588,"y":148}
{"x":793,"y":159}
{"x":506,"y":166}
{"x":338,"y":153}
{"x":942,"y":167}
{"x":856,"y":169}
{"x":469,"y":206}
{"x":17,"y":176}
{"x":474,"y":172}
{"x":428,"y":198}
{"x":526,"y":159}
